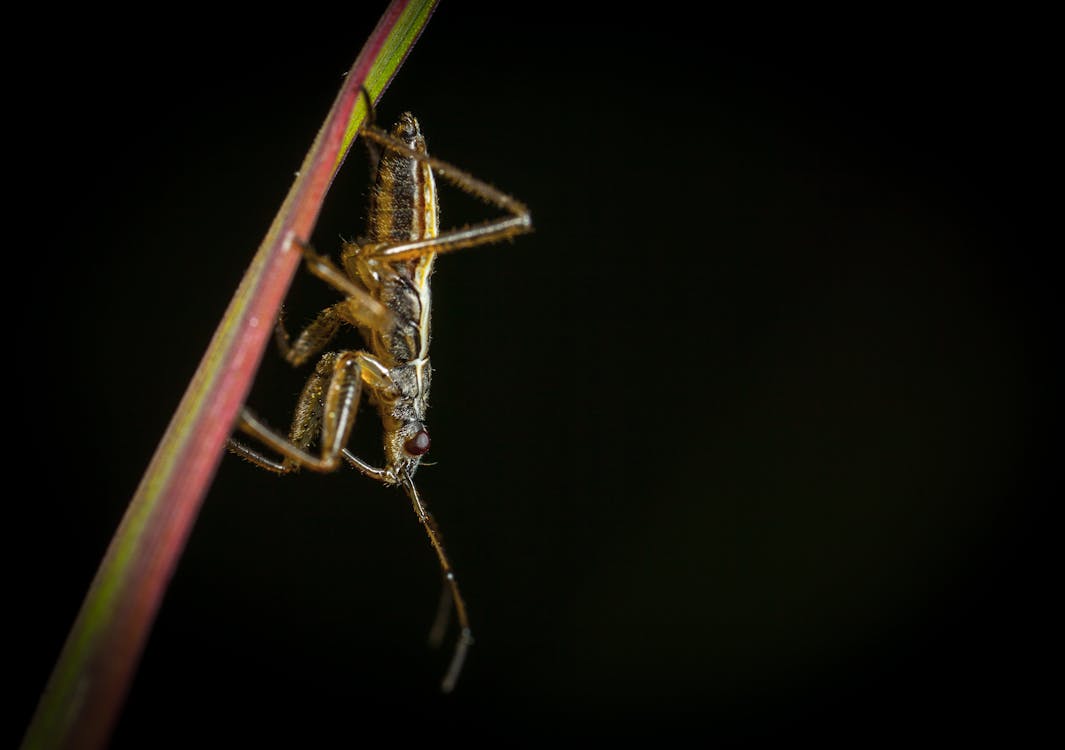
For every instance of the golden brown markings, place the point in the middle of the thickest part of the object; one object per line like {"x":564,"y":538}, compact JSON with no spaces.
{"x":381,"y":209}
{"x":404,"y":207}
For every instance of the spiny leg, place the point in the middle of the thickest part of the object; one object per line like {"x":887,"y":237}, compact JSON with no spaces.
{"x":329,"y":399}
{"x":520,"y":221}
{"x":465,"y":639}
{"x":359,"y":306}
{"x":311,"y":340}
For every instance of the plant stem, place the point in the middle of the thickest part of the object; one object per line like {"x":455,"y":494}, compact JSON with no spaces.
{"x":88,"y":686}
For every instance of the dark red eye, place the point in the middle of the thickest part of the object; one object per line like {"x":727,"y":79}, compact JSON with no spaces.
{"x":418,"y":444}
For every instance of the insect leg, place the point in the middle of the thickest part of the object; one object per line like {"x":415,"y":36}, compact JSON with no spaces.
{"x":481,"y":233}
{"x":329,"y":400}
{"x":359,"y":305}
{"x":465,"y":639}
{"x":381,"y":475}
{"x":311,"y":340}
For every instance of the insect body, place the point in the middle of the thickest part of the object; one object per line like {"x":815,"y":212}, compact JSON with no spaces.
{"x":385,"y":280}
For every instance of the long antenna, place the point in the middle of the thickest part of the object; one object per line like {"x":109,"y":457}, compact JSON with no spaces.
{"x":465,"y":639}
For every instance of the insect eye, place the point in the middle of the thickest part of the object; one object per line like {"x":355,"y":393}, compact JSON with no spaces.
{"x":418,"y":444}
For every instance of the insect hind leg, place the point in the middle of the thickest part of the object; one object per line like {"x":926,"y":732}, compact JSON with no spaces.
{"x":518,"y":222}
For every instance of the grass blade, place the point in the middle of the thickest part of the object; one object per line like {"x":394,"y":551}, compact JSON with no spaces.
{"x":84,"y":695}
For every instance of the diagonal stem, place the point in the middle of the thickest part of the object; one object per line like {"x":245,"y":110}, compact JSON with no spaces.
{"x":85,"y":693}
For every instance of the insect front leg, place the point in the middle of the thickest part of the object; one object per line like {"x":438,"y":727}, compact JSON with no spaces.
{"x":326,"y":408}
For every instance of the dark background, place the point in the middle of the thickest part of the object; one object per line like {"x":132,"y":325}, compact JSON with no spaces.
{"x":746,"y":441}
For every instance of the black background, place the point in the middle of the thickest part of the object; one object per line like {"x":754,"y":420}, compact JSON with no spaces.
{"x":746,"y":441}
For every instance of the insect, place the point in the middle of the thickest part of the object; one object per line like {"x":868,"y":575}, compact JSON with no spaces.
{"x":385,"y":282}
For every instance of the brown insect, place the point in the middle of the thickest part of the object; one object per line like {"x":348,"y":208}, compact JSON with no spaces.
{"x":385,"y":282}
